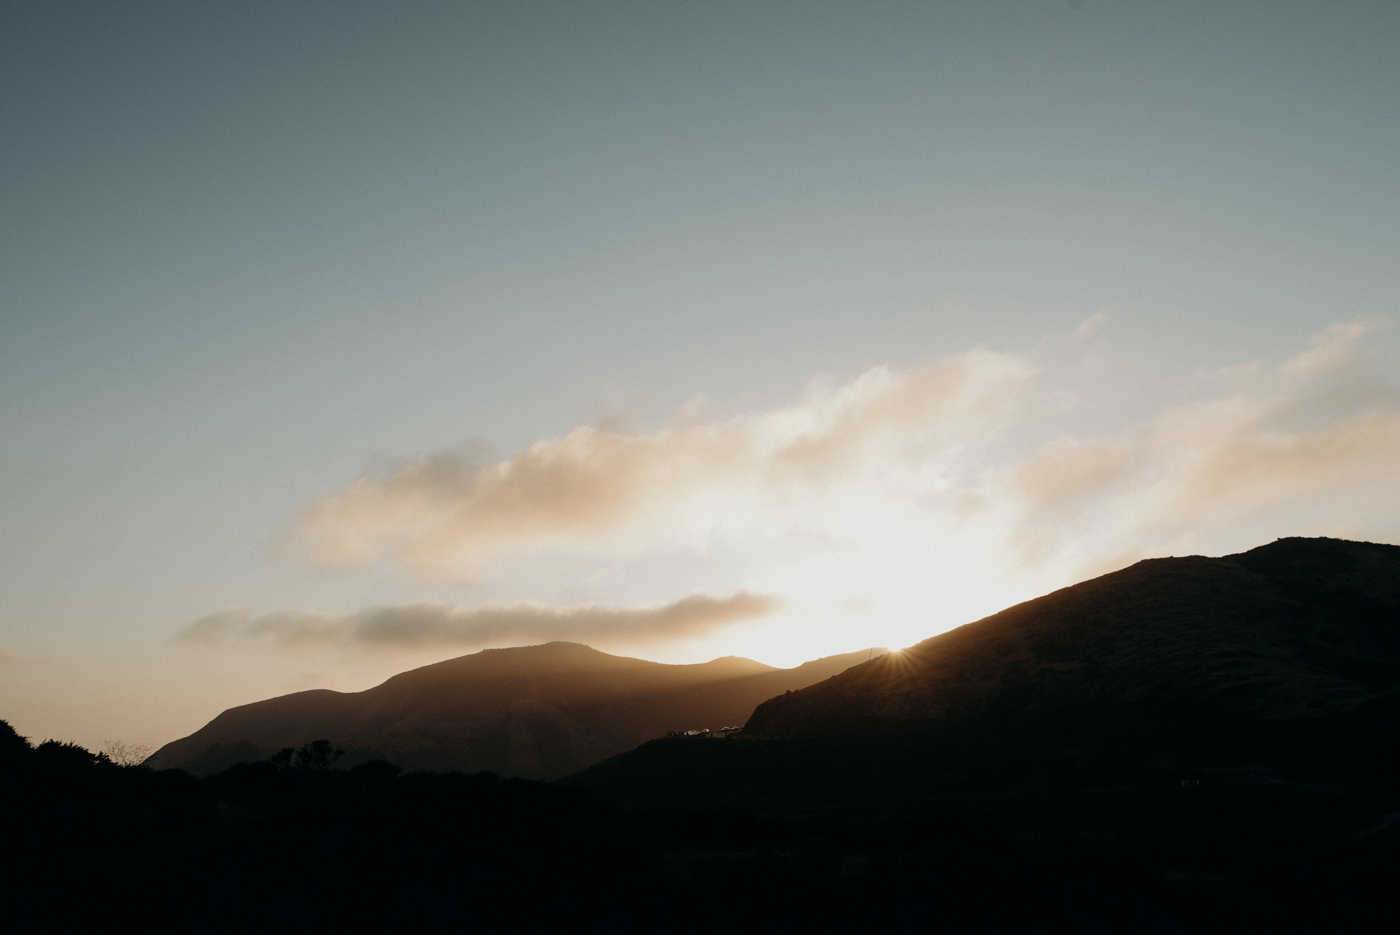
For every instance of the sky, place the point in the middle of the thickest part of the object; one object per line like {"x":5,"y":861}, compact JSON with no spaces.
{"x":338,"y":338}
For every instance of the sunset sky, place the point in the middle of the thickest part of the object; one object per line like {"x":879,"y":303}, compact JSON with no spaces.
{"x":340,"y":338}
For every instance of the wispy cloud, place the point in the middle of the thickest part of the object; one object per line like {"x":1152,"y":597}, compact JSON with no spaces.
{"x":446,"y":626}
{"x":1089,"y":326}
{"x":1318,"y":432}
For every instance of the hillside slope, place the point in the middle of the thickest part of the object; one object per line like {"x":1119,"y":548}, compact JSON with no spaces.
{"x":1277,"y":664}
{"x":1296,"y":629}
{"x":535,"y":711}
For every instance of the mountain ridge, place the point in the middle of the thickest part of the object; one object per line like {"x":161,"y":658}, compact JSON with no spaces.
{"x":1295,"y":628}
{"x":1279,"y":663}
{"x":538,"y":711}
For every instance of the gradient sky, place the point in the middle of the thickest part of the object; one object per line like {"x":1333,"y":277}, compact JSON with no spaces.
{"x":339,"y":338}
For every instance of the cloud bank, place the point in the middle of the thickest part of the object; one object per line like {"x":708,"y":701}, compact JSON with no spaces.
{"x":882,"y":509}
{"x":673,"y":489}
{"x":445,"y":626}
{"x":980,"y":439}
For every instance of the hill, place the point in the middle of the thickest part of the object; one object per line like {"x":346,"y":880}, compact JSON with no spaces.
{"x":1275,"y":663}
{"x":535,"y":711}
{"x":1301,"y":628}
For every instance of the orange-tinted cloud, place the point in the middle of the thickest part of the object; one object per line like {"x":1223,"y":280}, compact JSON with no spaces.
{"x":668,"y":489}
{"x":980,"y":446}
{"x":445,"y":626}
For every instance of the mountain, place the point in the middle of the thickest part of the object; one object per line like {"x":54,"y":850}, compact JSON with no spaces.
{"x":535,"y":711}
{"x":1299,"y":628}
{"x":1263,"y":664}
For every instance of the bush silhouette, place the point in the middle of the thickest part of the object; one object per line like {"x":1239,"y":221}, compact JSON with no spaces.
{"x":12,"y":744}
{"x":69,"y":756}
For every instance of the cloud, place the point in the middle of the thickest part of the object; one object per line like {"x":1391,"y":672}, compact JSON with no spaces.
{"x":216,"y":627}
{"x":1258,"y":446}
{"x":1089,"y":326}
{"x":672,"y":489}
{"x":446,"y":626}
{"x":905,"y":489}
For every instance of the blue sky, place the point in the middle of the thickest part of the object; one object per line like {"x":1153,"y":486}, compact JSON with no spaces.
{"x":341,"y":337}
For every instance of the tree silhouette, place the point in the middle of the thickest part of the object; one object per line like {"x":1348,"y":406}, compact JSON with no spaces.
{"x":126,"y":754}
{"x":317,"y":755}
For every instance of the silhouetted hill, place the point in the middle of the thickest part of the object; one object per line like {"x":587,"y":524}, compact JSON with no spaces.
{"x":266,"y":845}
{"x":1256,"y":665}
{"x":535,"y":711}
{"x":1298,"y":628}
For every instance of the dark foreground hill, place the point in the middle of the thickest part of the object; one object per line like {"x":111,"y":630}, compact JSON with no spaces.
{"x":262,"y":847}
{"x":535,"y":711}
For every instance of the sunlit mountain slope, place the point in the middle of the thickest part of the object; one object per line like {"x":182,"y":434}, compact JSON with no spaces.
{"x":1298,"y":628}
{"x":1279,"y":664}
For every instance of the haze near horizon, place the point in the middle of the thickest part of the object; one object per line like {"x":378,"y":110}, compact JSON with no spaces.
{"x":343,"y":338}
